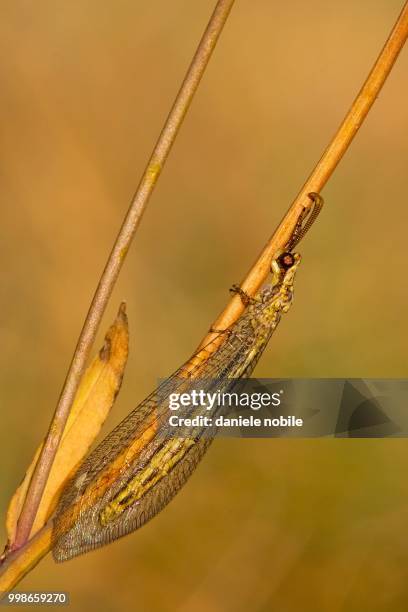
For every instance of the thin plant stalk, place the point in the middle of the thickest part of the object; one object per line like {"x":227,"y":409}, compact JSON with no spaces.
{"x":20,"y":562}
{"x":114,"y":264}
{"x":321,"y":172}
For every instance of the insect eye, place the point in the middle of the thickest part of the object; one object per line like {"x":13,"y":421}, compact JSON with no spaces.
{"x":286,"y":260}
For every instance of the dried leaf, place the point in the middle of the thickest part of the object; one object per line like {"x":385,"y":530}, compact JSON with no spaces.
{"x":93,"y":401}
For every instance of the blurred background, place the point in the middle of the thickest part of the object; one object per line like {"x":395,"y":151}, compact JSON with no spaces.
{"x":288,"y":525}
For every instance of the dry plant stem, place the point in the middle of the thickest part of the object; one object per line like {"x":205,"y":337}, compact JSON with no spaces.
{"x":19,"y":563}
{"x":321,"y":173}
{"x":114,"y":264}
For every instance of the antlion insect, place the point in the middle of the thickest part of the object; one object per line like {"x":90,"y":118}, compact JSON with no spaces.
{"x":137,"y":469}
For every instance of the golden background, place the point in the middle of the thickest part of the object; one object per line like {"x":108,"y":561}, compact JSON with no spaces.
{"x":284,"y":525}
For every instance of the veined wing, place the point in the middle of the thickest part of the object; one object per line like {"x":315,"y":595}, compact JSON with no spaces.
{"x":135,"y":471}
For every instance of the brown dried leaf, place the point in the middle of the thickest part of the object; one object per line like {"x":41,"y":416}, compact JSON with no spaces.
{"x":93,"y":401}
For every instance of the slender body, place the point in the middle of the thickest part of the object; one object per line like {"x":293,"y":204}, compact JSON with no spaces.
{"x":137,"y":469}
